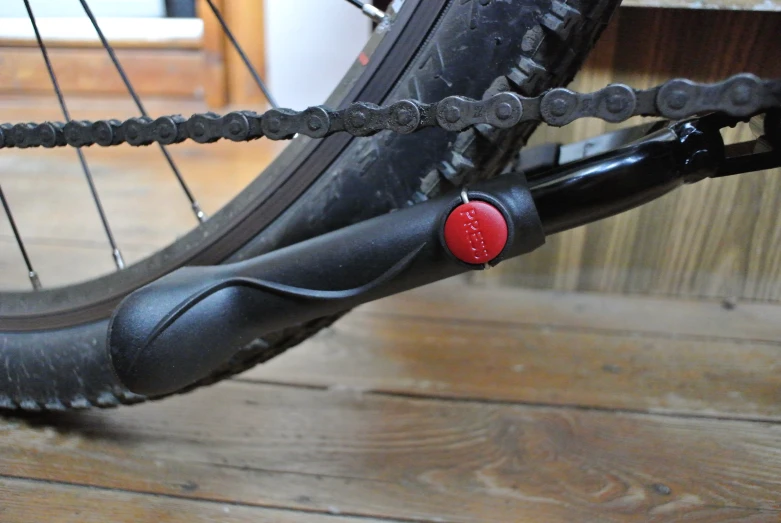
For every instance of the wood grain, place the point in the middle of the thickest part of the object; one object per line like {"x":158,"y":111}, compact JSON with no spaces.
{"x":362,"y":454}
{"x":538,"y":365}
{"x":713,"y":239}
{"x":172,"y":43}
{"x":635,"y":315}
{"x":245,"y":18}
{"x":26,"y":501}
{"x":156,"y":72}
{"x":214,"y":55}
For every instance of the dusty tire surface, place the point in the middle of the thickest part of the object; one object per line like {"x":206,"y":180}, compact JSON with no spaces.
{"x":472,"y":48}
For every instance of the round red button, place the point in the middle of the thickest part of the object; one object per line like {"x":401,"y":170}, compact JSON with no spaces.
{"x":475,"y":232}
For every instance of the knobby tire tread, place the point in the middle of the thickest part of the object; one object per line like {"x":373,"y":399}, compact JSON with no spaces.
{"x":553,"y":49}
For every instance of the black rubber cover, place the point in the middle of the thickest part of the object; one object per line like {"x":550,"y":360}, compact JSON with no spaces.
{"x":181,"y":327}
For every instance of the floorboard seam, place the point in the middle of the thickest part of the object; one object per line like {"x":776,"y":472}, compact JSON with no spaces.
{"x":574,"y":328}
{"x":291,"y":472}
{"x":500,"y":402}
{"x":357,"y":517}
{"x":346,"y":515}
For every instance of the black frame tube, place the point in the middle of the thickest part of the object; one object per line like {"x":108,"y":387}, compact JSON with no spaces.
{"x":614,"y":182}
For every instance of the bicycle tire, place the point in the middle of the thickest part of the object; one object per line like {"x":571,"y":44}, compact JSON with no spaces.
{"x":467,"y":47}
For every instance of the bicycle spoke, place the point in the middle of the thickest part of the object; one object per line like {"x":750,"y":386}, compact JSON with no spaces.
{"x":30,"y":272}
{"x":115,"y":252}
{"x":369,"y":10}
{"x":243,"y":56}
{"x":199,"y":214}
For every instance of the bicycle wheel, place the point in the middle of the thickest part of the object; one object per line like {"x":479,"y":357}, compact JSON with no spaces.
{"x":53,"y":342}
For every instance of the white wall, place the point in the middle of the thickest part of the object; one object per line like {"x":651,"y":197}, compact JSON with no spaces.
{"x":310,"y":44}
{"x":121,"y":8}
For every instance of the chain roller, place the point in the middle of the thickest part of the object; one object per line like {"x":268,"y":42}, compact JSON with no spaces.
{"x":739,"y":96}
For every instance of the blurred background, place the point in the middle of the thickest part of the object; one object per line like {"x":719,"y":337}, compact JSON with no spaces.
{"x":179,"y":61}
{"x":278,"y":36}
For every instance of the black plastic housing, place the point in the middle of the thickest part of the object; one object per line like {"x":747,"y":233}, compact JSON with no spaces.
{"x":183,"y":326}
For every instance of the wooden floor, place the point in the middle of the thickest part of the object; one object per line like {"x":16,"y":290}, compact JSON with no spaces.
{"x":447,"y":404}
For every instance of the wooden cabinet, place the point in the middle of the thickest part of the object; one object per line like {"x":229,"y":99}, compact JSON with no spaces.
{"x":164,"y":57}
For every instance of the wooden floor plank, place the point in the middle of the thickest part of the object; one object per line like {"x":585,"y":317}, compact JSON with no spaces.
{"x":540,"y":365}
{"x":639,"y":315}
{"x":423,"y":460}
{"x":28,"y":501}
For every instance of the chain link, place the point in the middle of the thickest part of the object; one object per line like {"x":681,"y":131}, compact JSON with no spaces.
{"x":739,"y":96}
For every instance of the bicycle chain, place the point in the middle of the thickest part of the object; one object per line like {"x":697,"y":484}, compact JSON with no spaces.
{"x":739,"y":96}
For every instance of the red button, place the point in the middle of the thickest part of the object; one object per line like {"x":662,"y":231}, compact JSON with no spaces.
{"x":475,"y":232}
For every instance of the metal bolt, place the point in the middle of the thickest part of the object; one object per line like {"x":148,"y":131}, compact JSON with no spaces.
{"x":558,"y":107}
{"x":358,"y":119}
{"x":615,"y":103}
{"x":274,"y":124}
{"x":234,"y":128}
{"x":314,"y":123}
{"x":677,"y":99}
{"x":199,"y":129}
{"x":504,"y":111}
{"x":741,"y":94}
{"x":132,"y":132}
{"x":164,"y":131}
{"x":47,"y":133}
{"x":403,"y":116}
{"x":452,"y":114}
